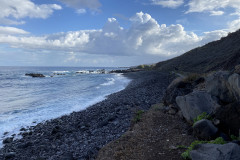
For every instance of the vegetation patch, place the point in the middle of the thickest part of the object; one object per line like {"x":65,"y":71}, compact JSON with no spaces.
{"x":146,"y":67}
{"x":186,"y":154}
{"x":235,"y":137}
{"x":192,"y":77}
{"x":204,"y":115}
{"x":138,"y":116}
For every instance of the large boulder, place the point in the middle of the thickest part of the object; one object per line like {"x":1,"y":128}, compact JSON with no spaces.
{"x":234,"y":81}
{"x":229,"y":151}
{"x":195,"y":104}
{"x":177,"y":88}
{"x":229,"y":116}
{"x":35,"y":75}
{"x":204,"y":129}
{"x":217,"y":85}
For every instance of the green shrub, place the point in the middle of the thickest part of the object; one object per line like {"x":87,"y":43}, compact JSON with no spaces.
{"x":145,"y":66}
{"x":186,"y":154}
{"x":138,"y":116}
{"x":192,"y":77}
{"x":204,"y":115}
{"x":235,"y":137}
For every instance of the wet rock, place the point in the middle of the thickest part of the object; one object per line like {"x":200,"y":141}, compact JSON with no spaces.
{"x":22,"y":129}
{"x":8,"y":140}
{"x":204,"y":129}
{"x":35,"y":75}
{"x":10,"y":155}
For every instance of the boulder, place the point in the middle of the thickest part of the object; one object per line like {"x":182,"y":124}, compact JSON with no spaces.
{"x":177,"y":88}
{"x":237,"y":69}
{"x":204,"y":129}
{"x":217,"y":85}
{"x":234,"y":82}
{"x":35,"y":75}
{"x":229,"y":117}
{"x":8,"y":140}
{"x":10,"y":155}
{"x":229,"y":151}
{"x":195,"y":104}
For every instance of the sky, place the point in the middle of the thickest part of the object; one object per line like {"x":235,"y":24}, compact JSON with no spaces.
{"x":109,"y":33}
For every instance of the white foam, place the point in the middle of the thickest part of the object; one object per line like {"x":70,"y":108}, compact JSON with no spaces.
{"x":60,"y":72}
{"x":111,"y":81}
{"x":12,"y":122}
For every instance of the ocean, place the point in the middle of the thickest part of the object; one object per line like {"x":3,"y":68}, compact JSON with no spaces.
{"x":26,"y":101}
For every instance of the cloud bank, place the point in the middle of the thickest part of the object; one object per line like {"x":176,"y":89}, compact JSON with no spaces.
{"x":13,"y":10}
{"x":215,"y":7}
{"x":144,"y":37}
{"x":82,"y":4}
{"x":168,"y":3}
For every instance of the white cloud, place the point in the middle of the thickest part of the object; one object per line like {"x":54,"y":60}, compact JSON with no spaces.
{"x":144,"y":37}
{"x":11,"y":31}
{"x":81,"y":11}
{"x":168,"y":3}
{"x":216,"y":13}
{"x":234,"y":25}
{"x":81,"y":4}
{"x":215,"y":7}
{"x":13,"y":10}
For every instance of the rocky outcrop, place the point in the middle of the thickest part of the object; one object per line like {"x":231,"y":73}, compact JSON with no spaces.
{"x":195,"y":104}
{"x":35,"y":75}
{"x":218,"y":94}
{"x":204,"y":129}
{"x":234,"y":82}
{"x":229,"y":151}
{"x":217,"y":86}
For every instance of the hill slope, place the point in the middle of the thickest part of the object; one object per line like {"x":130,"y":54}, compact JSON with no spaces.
{"x":222,"y":54}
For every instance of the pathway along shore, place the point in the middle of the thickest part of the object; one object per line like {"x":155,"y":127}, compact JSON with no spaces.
{"x":80,"y":135}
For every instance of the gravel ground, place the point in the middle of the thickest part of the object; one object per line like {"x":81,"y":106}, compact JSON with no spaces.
{"x":157,"y":136}
{"x":81,"y":135}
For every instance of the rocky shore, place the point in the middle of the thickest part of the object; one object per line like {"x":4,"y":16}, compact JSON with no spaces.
{"x":80,"y":135}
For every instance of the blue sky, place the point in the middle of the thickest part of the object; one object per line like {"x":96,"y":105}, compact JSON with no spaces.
{"x":109,"y":32}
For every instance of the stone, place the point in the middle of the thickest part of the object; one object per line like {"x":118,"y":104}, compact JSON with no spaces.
{"x":8,"y":140}
{"x":217,"y":85}
{"x":229,"y":117}
{"x":10,"y":155}
{"x":35,"y":75}
{"x":237,"y":69}
{"x":172,"y":111}
{"x":234,"y":82}
{"x":229,"y":151}
{"x":195,"y":104}
{"x":205,"y":130}
{"x":177,"y":88}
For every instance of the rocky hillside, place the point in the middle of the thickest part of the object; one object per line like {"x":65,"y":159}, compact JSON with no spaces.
{"x":223,"y":54}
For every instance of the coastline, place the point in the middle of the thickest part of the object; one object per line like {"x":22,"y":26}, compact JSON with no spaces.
{"x":81,"y":134}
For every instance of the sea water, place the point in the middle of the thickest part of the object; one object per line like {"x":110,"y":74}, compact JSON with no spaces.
{"x":26,"y":101}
